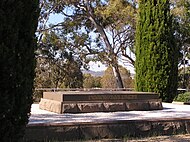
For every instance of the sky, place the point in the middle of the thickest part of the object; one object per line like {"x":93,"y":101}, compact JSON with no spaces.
{"x":97,"y":66}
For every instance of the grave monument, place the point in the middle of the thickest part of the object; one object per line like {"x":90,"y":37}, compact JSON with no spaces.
{"x":99,"y":101}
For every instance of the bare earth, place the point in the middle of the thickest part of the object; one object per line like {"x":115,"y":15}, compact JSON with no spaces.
{"x":174,"y":138}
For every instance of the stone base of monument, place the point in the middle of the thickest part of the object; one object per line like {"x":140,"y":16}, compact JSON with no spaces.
{"x":99,"y":101}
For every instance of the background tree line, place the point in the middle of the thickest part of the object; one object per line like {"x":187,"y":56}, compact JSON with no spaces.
{"x":182,"y":22}
{"x":94,"y":30}
{"x":101,"y":31}
{"x":108,"y":79}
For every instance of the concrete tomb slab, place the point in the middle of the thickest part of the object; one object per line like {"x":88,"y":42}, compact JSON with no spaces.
{"x":99,"y":101}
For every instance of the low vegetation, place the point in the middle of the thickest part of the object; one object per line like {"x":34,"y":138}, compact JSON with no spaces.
{"x":184,"y":97}
{"x":17,"y":46}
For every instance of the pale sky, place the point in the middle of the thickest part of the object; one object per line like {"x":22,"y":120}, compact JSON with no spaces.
{"x":98,"y":66}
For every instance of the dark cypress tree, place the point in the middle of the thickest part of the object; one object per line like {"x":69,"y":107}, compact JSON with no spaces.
{"x":156,"y":51}
{"x":18,"y":23}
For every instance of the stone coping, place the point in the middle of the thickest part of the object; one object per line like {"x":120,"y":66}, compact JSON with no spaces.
{"x":181,"y":103}
{"x":106,"y":130}
{"x":101,"y":92}
{"x":98,"y":96}
{"x":109,"y":122}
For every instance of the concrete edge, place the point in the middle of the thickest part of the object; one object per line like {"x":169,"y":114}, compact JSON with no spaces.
{"x":110,"y":129}
{"x":178,"y":103}
{"x":181,"y":103}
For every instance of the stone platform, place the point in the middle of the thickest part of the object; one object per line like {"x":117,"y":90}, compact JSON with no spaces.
{"x":48,"y":126}
{"x":99,"y":101}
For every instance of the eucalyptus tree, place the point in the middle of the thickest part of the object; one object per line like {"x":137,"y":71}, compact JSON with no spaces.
{"x":108,"y":80}
{"x":88,"y":81}
{"x":181,"y":12}
{"x":56,"y":66}
{"x":94,"y":29}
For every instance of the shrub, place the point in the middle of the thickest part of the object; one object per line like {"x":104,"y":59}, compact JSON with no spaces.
{"x":156,"y":51}
{"x":17,"y":45}
{"x":183,"y":97}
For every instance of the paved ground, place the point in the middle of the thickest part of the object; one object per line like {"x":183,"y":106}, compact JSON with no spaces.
{"x":169,"y":111}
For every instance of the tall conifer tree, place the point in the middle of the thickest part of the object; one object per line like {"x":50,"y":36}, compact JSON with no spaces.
{"x":17,"y":45}
{"x":156,"y":51}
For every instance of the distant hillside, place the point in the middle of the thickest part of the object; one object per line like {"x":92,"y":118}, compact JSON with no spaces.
{"x":93,"y":73}
{"x":100,"y":73}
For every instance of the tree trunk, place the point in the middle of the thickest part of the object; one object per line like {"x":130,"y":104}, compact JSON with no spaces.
{"x":119,"y":82}
{"x":115,"y":67}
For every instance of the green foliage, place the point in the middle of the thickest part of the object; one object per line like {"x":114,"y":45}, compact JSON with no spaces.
{"x":17,"y":46}
{"x":115,"y":12}
{"x":156,"y":50}
{"x":181,"y":12}
{"x":88,"y":81}
{"x":74,"y":76}
{"x":183,"y":97}
{"x":97,"y":30}
{"x":97,"y":82}
{"x":57,"y":67}
{"x":184,"y":78}
{"x":91,"y":81}
{"x":108,"y":79}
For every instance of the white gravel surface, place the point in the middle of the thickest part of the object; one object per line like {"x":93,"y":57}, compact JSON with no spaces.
{"x":169,"y":111}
